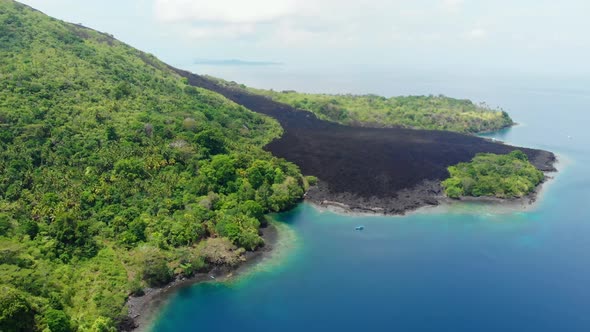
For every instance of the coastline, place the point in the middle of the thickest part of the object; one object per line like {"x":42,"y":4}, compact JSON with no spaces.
{"x":143,"y":310}
{"x":428,"y":194}
{"x":425,"y":194}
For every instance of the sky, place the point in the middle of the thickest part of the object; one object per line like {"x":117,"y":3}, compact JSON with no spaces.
{"x":529,"y":36}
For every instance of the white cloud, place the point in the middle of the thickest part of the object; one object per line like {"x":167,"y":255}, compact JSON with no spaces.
{"x":287,"y":34}
{"x":452,"y":4}
{"x":230,"y":19}
{"x":226,"y":11}
{"x":477,"y":33}
{"x":285,"y":22}
{"x":321,"y":23}
{"x":231,"y":31}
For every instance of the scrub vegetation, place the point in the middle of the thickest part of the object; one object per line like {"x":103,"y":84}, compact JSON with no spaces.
{"x":115,"y":175}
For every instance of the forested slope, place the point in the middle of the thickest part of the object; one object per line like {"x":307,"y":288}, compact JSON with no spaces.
{"x":115,"y":174}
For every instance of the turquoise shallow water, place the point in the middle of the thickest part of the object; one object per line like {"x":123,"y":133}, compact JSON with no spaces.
{"x":467,"y":267}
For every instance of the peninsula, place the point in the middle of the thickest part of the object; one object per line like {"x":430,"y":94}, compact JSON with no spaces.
{"x":367,"y":169}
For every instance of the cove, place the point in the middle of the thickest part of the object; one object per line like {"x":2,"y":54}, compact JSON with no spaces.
{"x":458,"y":270}
{"x":464,"y":267}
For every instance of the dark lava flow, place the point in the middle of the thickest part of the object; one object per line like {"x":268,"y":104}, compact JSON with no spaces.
{"x":390,"y":170}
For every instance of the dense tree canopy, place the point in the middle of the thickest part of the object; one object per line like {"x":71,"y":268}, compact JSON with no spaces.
{"x":112,"y":173}
{"x":16,"y":313}
{"x":503,"y":176}
{"x":419,"y":112}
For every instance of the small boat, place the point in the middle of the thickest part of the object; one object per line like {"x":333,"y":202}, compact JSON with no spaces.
{"x":359,"y":228}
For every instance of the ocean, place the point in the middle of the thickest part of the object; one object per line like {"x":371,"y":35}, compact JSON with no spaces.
{"x":463,"y":267}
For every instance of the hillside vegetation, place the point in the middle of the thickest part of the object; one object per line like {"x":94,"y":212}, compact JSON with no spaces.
{"x":115,"y":175}
{"x":418,"y":112}
{"x":502,"y":176}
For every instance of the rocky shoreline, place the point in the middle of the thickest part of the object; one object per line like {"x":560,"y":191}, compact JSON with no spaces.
{"x":142,"y":310}
{"x":426,"y":194}
{"x":385,"y":170}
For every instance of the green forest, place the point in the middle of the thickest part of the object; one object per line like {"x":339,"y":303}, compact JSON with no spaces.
{"x":502,"y":176}
{"x":116,"y":175}
{"x":418,"y":112}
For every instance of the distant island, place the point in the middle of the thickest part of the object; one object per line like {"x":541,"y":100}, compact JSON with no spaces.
{"x":121,"y":174}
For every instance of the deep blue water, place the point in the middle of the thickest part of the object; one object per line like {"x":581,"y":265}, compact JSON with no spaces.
{"x":467,"y":267}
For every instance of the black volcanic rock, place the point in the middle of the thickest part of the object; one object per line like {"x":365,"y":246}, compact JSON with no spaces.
{"x":390,"y":169}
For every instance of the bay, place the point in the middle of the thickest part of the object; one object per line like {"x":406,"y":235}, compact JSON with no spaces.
{"x":463,"y":267}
